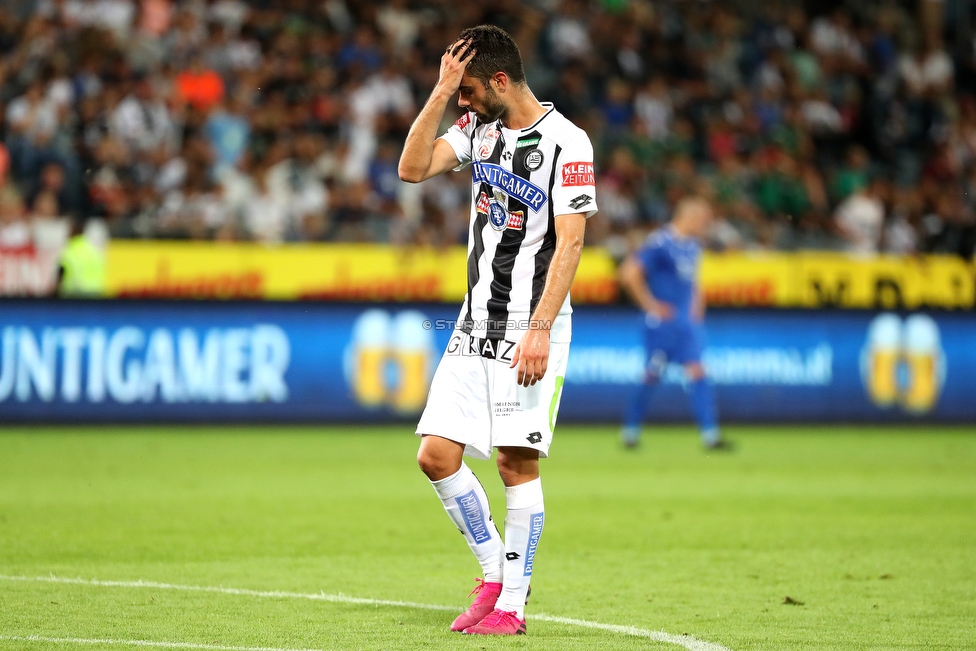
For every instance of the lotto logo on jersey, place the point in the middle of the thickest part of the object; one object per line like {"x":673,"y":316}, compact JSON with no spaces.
{"x":578,"y":174}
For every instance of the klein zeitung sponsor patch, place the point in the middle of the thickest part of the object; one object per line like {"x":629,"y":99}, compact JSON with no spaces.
{"x":578,"y":174}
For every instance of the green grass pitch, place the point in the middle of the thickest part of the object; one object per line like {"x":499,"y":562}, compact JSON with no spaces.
{"x":872,"y":530}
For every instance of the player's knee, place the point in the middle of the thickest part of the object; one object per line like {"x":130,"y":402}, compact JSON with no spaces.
{"x":694,"y":372}
{"x":435,"y":466}
{"x":518,"y":467}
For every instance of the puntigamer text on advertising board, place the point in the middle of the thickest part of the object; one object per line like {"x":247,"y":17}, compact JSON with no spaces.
{"x":144,"y":361}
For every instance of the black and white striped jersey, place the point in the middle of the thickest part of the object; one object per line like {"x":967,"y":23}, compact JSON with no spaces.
{"x":521,"y":181}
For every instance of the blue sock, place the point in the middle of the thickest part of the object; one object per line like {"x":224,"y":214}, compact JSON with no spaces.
{"x":634,"y":416}
{"x":703,"y":406}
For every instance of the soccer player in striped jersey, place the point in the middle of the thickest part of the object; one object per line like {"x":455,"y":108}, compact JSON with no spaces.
{"x":662,"y":278}
{"x":499,"y":382}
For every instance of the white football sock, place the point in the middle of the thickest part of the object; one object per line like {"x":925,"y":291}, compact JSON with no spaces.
{"x":465,"y":501}
{"x":523,"y":528}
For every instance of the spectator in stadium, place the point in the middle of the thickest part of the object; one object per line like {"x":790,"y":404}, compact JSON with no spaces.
{"x":14,"y":228}
{"x":860,"y":218}
{"x":201,"y":87}
{"x":81,"y":272}
{"x":863,"y":89}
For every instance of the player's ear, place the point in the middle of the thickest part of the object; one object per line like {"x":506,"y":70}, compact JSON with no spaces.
{"x":499,"y":82}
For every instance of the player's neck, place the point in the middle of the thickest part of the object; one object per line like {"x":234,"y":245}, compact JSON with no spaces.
{"x":678,"y":232}
{"x":524,"y":111}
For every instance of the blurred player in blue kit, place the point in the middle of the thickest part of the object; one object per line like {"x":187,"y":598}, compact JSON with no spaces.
{"x":662,"y":279}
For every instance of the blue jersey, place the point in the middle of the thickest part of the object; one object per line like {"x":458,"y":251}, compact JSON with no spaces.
{"x":671,"y":269}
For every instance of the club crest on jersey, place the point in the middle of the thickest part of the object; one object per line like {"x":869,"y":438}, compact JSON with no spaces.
{"x":512,"y":219}
{"x":497,"y":215}
{"x":488,"y":142}
{"x":534,"y":160}
{"x":512,"y":184}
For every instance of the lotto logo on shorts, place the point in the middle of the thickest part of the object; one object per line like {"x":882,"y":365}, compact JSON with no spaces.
{"x":474,"y":517}
{"x":535,"y":532}
{"x":578,"y":174}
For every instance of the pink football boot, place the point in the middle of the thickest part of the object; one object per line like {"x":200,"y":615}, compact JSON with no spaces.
{"x":482,"y":606}
{"x":498,"y":622}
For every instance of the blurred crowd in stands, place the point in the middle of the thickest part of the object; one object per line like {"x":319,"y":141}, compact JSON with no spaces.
{"x":825,"y":126}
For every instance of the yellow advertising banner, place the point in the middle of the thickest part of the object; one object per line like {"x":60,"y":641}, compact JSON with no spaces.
{"x":373,"y":272}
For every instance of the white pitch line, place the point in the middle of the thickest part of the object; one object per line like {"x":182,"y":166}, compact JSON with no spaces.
{"x":149,"y":643}
{"x":686,"y":641}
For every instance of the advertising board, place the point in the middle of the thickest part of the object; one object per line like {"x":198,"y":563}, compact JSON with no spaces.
{"x":231,"y":361}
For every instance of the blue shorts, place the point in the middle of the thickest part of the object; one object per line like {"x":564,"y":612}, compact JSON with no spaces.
{"x":678,"y":340}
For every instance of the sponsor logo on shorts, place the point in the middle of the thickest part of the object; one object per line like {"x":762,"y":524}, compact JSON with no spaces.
{"x":474,"y":517}
{"x":512,"y":556}
{"x":535,"y":532}
{"x":534,"y":437}
{"x":505,"y":408}
{"x":578,"y":174}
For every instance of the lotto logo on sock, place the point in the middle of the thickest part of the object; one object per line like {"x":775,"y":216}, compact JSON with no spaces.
{"x":474,"y":517}
{"x":535,"y":532}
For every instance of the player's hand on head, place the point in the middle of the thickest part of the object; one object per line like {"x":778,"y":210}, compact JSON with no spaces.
{"x":532,"y":357}
{"x":453,"y":63}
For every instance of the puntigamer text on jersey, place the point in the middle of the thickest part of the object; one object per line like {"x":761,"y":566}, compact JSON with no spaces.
{"x":498,"y":177}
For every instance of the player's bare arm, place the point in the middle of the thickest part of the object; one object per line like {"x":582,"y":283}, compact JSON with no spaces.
{"x":424,"y":156}
{"x":532,"y":353}
{"x":698,"y":307}
{"x":632,"y":279}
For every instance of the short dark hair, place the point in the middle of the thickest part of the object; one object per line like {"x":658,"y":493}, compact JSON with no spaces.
{"x":496,"y":51}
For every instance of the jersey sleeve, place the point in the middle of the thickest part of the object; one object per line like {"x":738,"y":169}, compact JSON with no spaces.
{"x":574,"y":189}
{"x":459,"y":138}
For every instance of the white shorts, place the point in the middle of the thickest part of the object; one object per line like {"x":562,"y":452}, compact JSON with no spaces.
{"x":475,"y":398}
